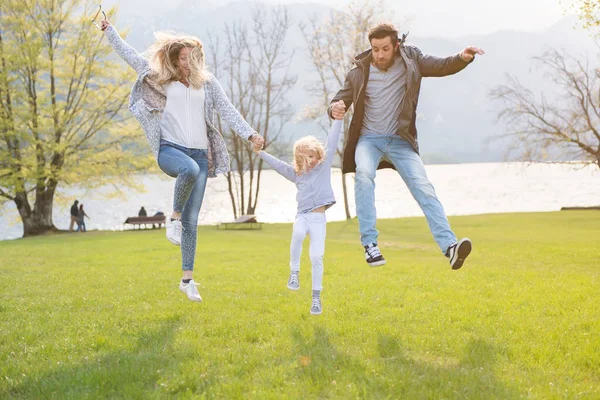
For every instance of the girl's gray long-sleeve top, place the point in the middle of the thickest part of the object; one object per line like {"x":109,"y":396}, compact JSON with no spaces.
{"x":314,"y":187}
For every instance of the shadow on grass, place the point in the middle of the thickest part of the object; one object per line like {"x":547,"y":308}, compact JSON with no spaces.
{"x":321,"y":364}
{"x":127,"y":373}
{"x":431,"y":376}
{"x":329,"y":372}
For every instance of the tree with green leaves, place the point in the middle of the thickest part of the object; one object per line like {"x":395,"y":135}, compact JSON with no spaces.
{"x":63,"y":108}
{"x":589,"y":13}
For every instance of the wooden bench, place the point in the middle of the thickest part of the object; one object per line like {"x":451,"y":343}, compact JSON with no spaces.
{"x":139,"y":221}
{"x":243,"y":222}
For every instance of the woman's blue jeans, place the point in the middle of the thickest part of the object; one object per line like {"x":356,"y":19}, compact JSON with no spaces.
{"x":190,"y":167}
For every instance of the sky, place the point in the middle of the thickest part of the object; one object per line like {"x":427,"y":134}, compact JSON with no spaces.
{"x":467,"y":17}
{"x":450,"y":18}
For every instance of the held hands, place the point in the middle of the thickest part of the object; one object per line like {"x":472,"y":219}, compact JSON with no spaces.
{"x":338,"y":110}
{"x":257,"y":142}
{"x":257,"y":148}
{"x":469,"y":53}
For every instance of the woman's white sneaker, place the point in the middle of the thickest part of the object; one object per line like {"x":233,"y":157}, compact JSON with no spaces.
{"x":174,"y":231}
{"x":190,"y":290}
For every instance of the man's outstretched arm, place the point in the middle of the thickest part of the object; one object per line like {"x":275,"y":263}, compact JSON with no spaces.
{"x":438,"y":66}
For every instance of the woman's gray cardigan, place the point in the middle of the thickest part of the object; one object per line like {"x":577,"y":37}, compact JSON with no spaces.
{"x":147,"y":102}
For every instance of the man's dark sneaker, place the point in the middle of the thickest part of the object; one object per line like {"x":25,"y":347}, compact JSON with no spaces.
{"x":373,"y":255}
{"x":458,"y":252}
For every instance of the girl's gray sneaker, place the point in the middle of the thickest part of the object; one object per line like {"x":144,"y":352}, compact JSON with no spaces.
{"x":315,"y":307}
{"x":294,"y":281}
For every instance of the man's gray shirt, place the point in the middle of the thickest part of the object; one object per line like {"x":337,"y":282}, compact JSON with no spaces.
{"x":383,"y":99}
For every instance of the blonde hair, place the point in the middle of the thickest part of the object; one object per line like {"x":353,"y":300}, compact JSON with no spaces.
{"x":164,"y":55}
{"x":301,"y":149}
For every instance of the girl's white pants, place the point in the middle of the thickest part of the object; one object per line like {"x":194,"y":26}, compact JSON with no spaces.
{"x":314,"y":225}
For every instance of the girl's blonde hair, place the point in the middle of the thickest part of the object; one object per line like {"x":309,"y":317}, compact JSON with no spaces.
{"x":301,"y":150}
{"x":164,"y":57}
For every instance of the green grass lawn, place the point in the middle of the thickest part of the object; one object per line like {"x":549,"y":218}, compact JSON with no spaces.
{"x":99,"y":315}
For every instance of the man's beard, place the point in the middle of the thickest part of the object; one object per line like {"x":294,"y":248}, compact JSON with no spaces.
{"x":384,"y":65}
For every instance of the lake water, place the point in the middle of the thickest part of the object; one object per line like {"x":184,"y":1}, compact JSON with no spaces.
{"x":462,"y":188}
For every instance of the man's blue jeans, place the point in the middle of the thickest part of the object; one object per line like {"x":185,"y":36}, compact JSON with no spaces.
{"x":370,"y":150}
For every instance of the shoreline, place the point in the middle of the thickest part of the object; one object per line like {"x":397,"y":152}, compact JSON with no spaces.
{"x":60,"y":232}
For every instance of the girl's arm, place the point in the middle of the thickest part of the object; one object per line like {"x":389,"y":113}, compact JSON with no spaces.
{"x":332,"y":140}
{"x":284,"y":169}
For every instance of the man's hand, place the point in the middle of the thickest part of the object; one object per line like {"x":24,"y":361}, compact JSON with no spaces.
{"x":469,"y":53}
{"x":104,"y":24}
{"x":338,"y":110}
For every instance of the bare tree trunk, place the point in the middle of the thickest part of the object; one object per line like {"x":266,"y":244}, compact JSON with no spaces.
{"x":230,"y":189}
{"x":256,"y":67}
{"x":346,"y":206}
{"x":332,"y":44}
{"x":565,"y":125}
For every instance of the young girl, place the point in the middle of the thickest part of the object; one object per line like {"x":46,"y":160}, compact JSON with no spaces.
{"x":175,"y":99}
{"x":311,"y":172}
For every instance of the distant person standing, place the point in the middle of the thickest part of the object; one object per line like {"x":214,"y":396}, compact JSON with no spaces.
{"x":142,"y":212}
{"x":81,"y":219}
{"x":74,"y":215}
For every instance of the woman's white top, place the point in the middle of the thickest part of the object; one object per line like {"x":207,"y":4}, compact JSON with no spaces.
{"x":183,"y":121}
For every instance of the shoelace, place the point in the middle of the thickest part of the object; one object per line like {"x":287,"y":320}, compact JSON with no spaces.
{"x":194,"y":289}
{"x":293,"y":279}
{"x":452,"y":251}
{"x":316,"y":303}
{"x":373,"y":252}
